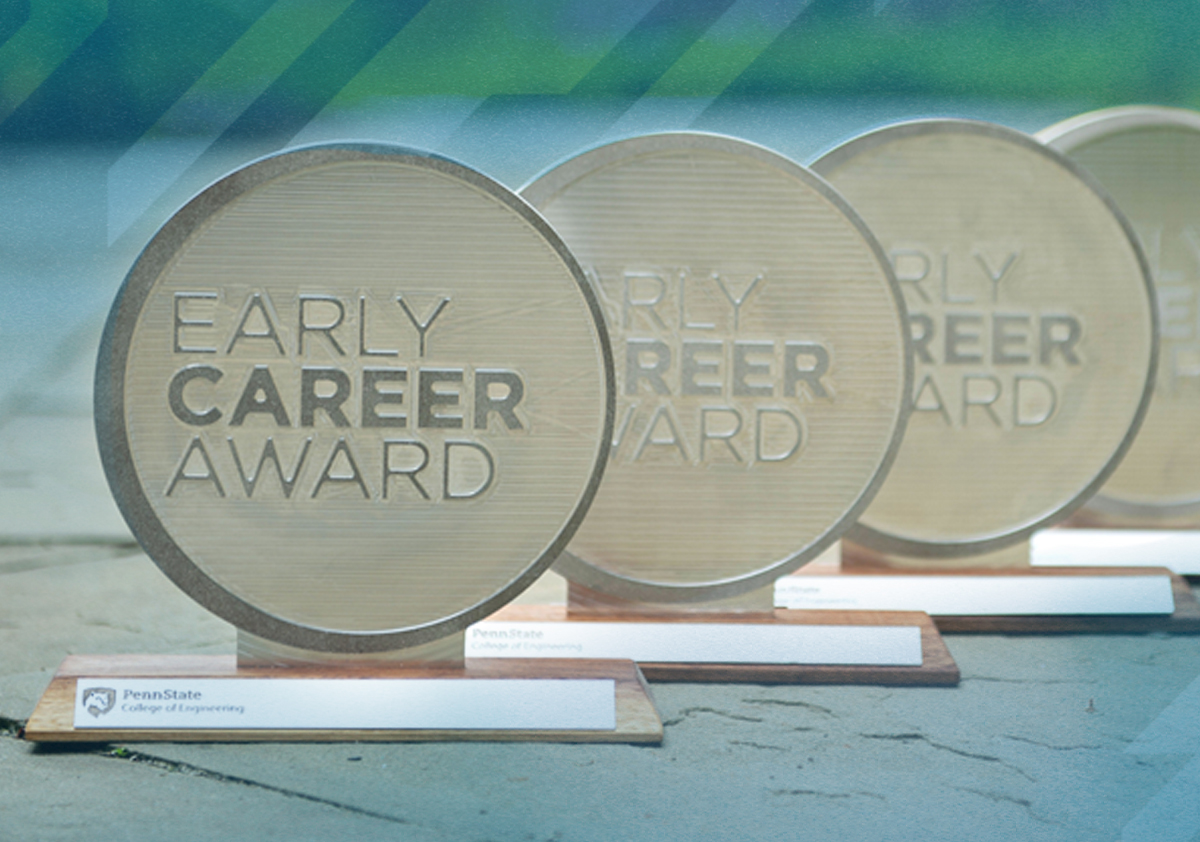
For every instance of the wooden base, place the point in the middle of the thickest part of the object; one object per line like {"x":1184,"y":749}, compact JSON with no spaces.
{"x":937,"y":668}
{"x":637,"y":720}
{"x":1184,"y":620}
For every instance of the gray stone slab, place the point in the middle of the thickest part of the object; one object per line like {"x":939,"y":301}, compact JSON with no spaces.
{"x":65,"y":795}
{"x":1039,"y":742}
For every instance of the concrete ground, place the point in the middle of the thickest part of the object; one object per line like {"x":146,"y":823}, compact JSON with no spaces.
{"x":1089,"y":738}
{"x":1047,"y":738}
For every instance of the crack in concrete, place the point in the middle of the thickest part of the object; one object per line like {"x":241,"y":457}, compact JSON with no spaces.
{"x":178,"y":767}
{"x":787,"y":703}
{"x":687,"y":713}
{"x":1000,"y":798}
{"x":1050,"y":746}
{"x":831,"y":795}
{"x":915,"y":737}
{"x":751,"y":744}
{"x":42,"y":556}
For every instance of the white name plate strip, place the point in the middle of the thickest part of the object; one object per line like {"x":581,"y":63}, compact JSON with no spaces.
{"x":980,"y":596}
{"x":336,"y":704}
{"x":699,"y":643}
{"x":1175,"y":549}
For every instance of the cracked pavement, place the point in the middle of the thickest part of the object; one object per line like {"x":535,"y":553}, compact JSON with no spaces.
{"x":1033,"y":745}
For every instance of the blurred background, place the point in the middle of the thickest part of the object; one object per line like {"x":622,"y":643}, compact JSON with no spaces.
{"x":112,"y":115}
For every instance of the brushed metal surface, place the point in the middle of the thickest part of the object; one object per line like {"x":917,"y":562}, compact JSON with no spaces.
{"x":1033,"y":323}
{"x":1148,"y":159}
{"x":331,"y":506}
{"x":761,"y":362}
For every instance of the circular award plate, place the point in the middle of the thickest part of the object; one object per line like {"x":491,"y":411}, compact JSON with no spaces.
{"x":1033,"y":331}
{"x":354,"y":398}
{"x":1148,"y":159}
{"x":761,"y":360}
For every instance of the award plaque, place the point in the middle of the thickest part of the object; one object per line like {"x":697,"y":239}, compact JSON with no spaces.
{"x":351,"y":399}
{"x":762,"y":373}
{"x":1148,"y":159}
{"x":1034,"y":337}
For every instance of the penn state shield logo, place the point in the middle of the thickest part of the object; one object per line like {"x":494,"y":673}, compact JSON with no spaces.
{"x":99,"y":700}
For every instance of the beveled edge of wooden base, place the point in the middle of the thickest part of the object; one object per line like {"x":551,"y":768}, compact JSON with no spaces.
{"x":52,"y":720}
{"x":937,"y":668}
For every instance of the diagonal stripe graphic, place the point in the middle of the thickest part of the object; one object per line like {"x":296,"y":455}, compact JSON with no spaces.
{"x":54,"y":30}
{"x":298,"y":93}
{"x":564,"y":123}
{"x":1173,"y":814}
{"x":673,"y":102}
{"x":223,"y":93}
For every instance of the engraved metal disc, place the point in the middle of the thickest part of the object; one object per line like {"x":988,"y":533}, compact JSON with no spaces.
{"x":353,"y":398}
{"x":1033,"y":331}
{"x":761,"y":362}
{"x":1148,"y":159}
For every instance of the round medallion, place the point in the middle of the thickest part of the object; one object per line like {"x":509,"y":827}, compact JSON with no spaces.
{"x":1148,"y":159}
{"x":761,"y":362}
{"x":1032,"y":324}
{"x":354,"y":398}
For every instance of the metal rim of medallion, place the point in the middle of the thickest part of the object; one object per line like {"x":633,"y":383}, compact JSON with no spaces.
{"x":109,"y":400}
{"x":889,"y":543}
{"x":544,"y":186}
{"x":1073,"y":133}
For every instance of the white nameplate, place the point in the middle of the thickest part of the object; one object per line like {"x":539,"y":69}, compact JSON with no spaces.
{"x":699,"y":643}
{"x":1175,"y":549}
{"x":953,"y":596}
{"x":337,"y":704}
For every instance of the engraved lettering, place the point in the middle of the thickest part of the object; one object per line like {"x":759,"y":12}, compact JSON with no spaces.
{"x":498,"y":391}
{"x":462,"y":471}
{"x":408,"y":469}
{"x":422,"y":326}
{"x":996,"y":277}
{"x":744,"y":368}
{"x":182,"y":322}
{"x":690,"y":367}
{"x":958,"y":336}
{"x":724,"y":434}
{"x":646,"y":304}
{"x":181,"y":474}
{"x":789,"y":433}
{"x":175,"y":395}
{"x":921,"y":340}
{"x":347,"y":472}
{"x":331,"y":404}
{"x":363,"y":350}
{"x":373,"y":397}
{"x":287,"y":483}
{"x":981,"y":390}
{"x":1005,"y":342}
{"x":1061,"y":333}
{"x":906,"y":273}
{"x":327,"y":329}
{"x":257,"y":313}
{"x":260,"y":395}
{"x":431,"y":398}
{"x":646,"y":359}
{"x":809,"y":375}
{"x":736,"y":302}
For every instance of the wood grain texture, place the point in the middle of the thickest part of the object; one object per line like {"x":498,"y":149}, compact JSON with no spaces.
{"x":53,"y":718}
{"x":937,"y":667}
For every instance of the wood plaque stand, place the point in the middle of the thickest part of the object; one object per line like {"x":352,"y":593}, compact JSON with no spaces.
{"x":637,"y":628}
{"x":54,"y":718}
{"x":969,"y":594}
